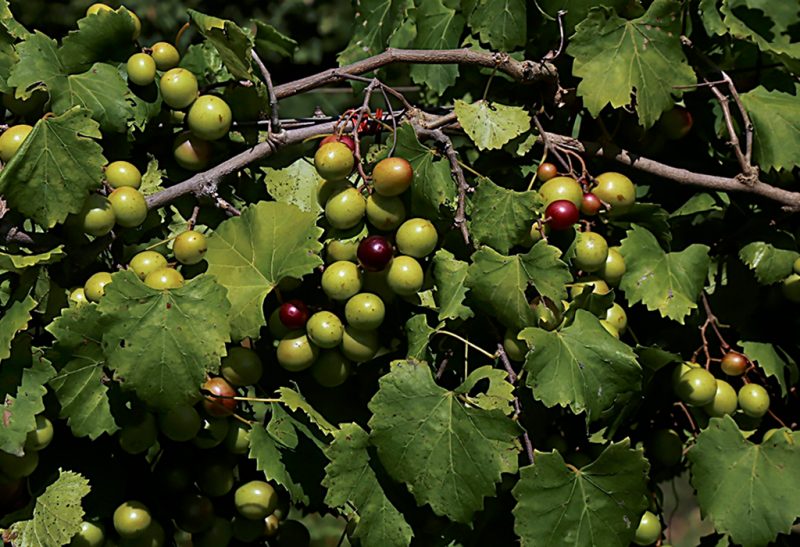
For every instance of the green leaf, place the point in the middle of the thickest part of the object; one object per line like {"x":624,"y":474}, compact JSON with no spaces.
{"x":162,"y":343}
{"x":351,"y":479}
{"x":646,"y":215}
{"x":581,"y":366}
{"x":8,"y":58}
{"x":270,"y":39}
{"x":776,"y":119}
{"x":702,"y":202}
{"x":769,"y":263}
{"x":418,"y":333}
{"x":770,"y":25}
{"x":667,"y":282}
{"x":773,"y":364}
{"x":498,"y":283}
{"x":265,"y":451}
{"x":58,"y":163}
{"x":576,"y":10}
{"x":501,"y":218}
{"x":600,"y":504}
{"x":13,"y":320}
{"x":450,"y":455}
{"x":152,"y":178}
{"x":375,"y":23}
{"x":450,"y":276}
{"x":742,"y":487}
{"x":19,"y":412}
{"x":250,"y":254}
{"x":433,"y":186}
{"x":711,"y":18}
{"x":294,"y":401}
{"x":232,"y":43}
{"x":491,"y":125}
{"x":500,"y":23}
{"x":38,"y":67}
{"x":18,"y":262}
{"x":9,"y":23}
{"x":438,"y":27}
{"x":296,"y":184}
{"x":57,"y":515}
{"x":499,"y":393}
{"x":204,"y":61}
{"x":615,"y":57}
{"x":105,"y":36}
{"x":99,"y":91}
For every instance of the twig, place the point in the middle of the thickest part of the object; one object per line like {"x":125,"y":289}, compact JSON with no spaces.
{"x":748,"y":125}
{"x":733,"y":137}
{"x":686,"y":412}
{"x":512,"y":378}
{"x":223,"y":204}
{"x":193,"y":218}
{"x":275,"y":120}
{"x":501,"y":352}
{"x":548,"y":144}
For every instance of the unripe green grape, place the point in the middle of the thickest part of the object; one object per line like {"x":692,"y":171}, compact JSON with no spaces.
{"x":276,"y":327}
{"x":138,"y":437}
{"x":616,"y":316}
{"x":591,"y":251}
{"x":796,"y":266}
{"x":680,"y":370}
{"x":327,"y":188}
{"x":697,"y":387}
{"x":191,"y":153}
{"x":237,"y":441}
{"x":416,"y":237}
{"x":164,"y":279}
{"x":666,"y":447}
{"x":219,"y":534}
{"x":131,"y":519}
{"x":39,"y":438}
{"x":724,"y":401}
{"x":25,"y":107}
{"x":359,"y":345}
{"x":405,"y":276}
{"x":611,"y":329}
{"x":331,"y":368}
{"x":94,"y":289}
{"x":141,"y":69}
{"x":790,"y":287}
{"x":255,"y":500}
{"x":209,"y":118}
{"x":165,"y":55}
{"x":334,"y":161}
{"x":325,"y":329}
{"x":365,"y":311}
{"x":375,"y":282}
{"x":129,"y":205}
{"x":212,"y":432}
{"x":11,"y":140}
{"x":385,"y":213}
{"x":178,"y":88}
{"x":17,"y":467}
{"x":89,"y":535}
{"x":241,"y":367}
{"x":123,"y":173}
{"x":614,"y":267}
{"x":180,"y":423}
{"x":515,"y":349}
{"x":616,"y":190}
{"x":341,"y":250}
{"x":598,"y":287}
{"x":215,"y":479}
{"x":78,"y":296}
{"x":146,"y":262}
{"x":536,"y":232}
{"x":649,"y":529}
{"x":97,"y":216}
{"x":296,"y":352}
{"x":190,"y":247}
{"x":753,"y":400}
{"x":562,"y":188}
{"x":345,"y":208}
{"x":341,"y":280}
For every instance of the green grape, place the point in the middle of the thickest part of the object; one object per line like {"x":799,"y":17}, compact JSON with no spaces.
{"x":178,"y":88}
{"x":194,"y":513}
{"x":238,"y":439}
{"x":241,"y":367}
{"x":246,"y":530}
{"x":334,"y":161}
{"x":649,"y":529}
{"x":129,"y":206}
{"x":385,"y":213}
{"x":255,"y":500}
{"x":89,"y":535}
{"x":25,"y":107}
{"x":138,"y":437}
{"x":153,"y":536}
{"x":614,"y":267}
{"x":212,"y":432}
{"x":365,"y":311}
{"x":416,"y":237}
{"x":164,"y":279}
{"x":218,"y":535}
{"x":131,"y":519}
{"x":190,"y":247}
{"x":180,"y":423}
{"x":562,"y":188}
{"x":97,"y":216}
{"x":331,"y":368}
{"x":753,"y":400}
{"x":392,"y":176}
{"x":666,"y":447}
{"x":296,"y":352}
{"x":697,"y":387}
{"x":11,"y":140}
{"x":611,"y":329}
{"x":165,"y":55}
{"x":341,"y":251}
{"x":327,"y":188}
{"x":616,"y":316}
{"x":123,"y":173}
{"x":209,"y":118}
{"x":17,"y":467}
{"x":345,"y":208}
{"x":591,"y":251}
{"x":515,"y":349}
{"x":215,"y":479}
{"x":146,"y":262}
{"x":95,"y":286}
{"x":40,"y":438}
{"x":191,"y":153}
{"x":141,"y":69}
{"x":276,"y":327}
{"x":536,"y":233}
{"x":790,"y":287}
{"x":404,"y":275}
{"x":724,"y":401}
{"x":616,"y":190}
{"x":78,"y":296}
{"x":680,"y":370}
{"x":796,"y":266}
{"x":97,"y":8}
{"x":598,"y":286}
{"x":359,"y":345}
{"x":341,"y":280}
{"x":325,"y":329}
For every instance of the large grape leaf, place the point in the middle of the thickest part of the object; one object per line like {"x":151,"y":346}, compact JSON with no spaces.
{"x":232,"y":43}
{"x":450,"y":275}
{"x":250,"y":254}
{"x":499,"y":284}
{"x":296,"y":184}
{"x":57,"y":515}
{"x":745,"y":488}
{"x":667,"y":282}
{"x":433,"y":186}
{"x":771,"y":25}
{"x":18,"y":414}
{"x":58,"y":163}
{"x":438,"y":27}
{"x":495,"y":392}
{"x":161,"y":344}
{"x":351,"y":479}
{"x":18,"y":262}
{"x":104,"y":36}
{"x":491,"y":125}
{"x":776,"y":119}
{"x":101,"y":91}
{"x":13,"y":320}
{"x":581,"y":366}
{"x":375,"y":23}
{"x":769,"y":263}
{"x":615,"y":57}
{"x":772,"y":362}
{"x":501,"y":218}
{"x":599,"y":504}
{"x":500,"y":23}
{"x":450,"y":455}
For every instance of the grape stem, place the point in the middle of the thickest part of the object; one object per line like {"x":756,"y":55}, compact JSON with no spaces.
{"x":275,"y":120}
{"x":467,"y":343}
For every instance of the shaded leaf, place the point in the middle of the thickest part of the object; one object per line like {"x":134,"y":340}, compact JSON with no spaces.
{"x":498,"y":394}
{"x":268,"y":38}
{"x":375,"y":23}
{"x":104,"y":36}
{"x":438,"y":27}
{"x":500,"y":23}
{"x":769,"y":263}
{"x":418,"y":333}
{"x":450,"y":276}
{"x":770,"y":25}
{"x":18,"y":413}
{"x":18,"y":262}
{"x":13,"y":320}
{"x":773,"y":363}
{"x":501,"y":218}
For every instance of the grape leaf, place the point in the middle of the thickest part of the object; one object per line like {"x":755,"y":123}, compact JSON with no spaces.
{"x":501,"y":218}
{"x":268,"y":38}
{"x":39,"y":65}
{"x":776,"y":119}
{"x":162,"y":343}
{"x":13,"y":320}
{"x":742,"y":487}
{"x":498,"y":393}
{"x":432,"y":186}
{"x":418,"y":333}
{"x":375,"y":23}
{"x":615,"y":57}
{"x":296,"y":184}
{"x":770,"y":25}
{"x":57,"y":515}
{"x":491,"y":125}
{"x":449,"y":455}
{"x":204,"y":61}
{"x":9,"y":23}
{"x":581,"y":366}
{"x":104,"y":36}
{"x":773,"y":364}
{"x":438,"y":27}
{"x":450,"y":275}
{"x":232,"y":43}
{"x":769,"y":263}
{"x":646,"y":215}
{"x":498,"y":283}
{"x":264,"y":450}
{"x":98,"y":90}
{"x":294,"y":401}
{"x":18,"y":414}
{"x":351,"y":479}
{"x":52,"y":172}
{"x":600,"y":504}
{"x":8,"y":58}
{"x":711,"y":18}
{"x":250,"y":254}
{"x":667,"y":282}
{"x":576,"y":10}
{"x":18,"y":262}
{"x":500,"y":23}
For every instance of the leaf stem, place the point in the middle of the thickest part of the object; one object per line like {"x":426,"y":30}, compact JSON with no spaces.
{"x":467,"y":343}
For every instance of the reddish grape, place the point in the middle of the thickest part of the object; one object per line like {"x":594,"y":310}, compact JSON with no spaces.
{"x":546,"y":171}
{"x":374,"y":253}
{"x":217,"y":406}
{"x":347,"y":140}
{"x":591,"y":204}
{"x":293,"y":314}
{"x":562,"y":214}
{"x":734,"y":363}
